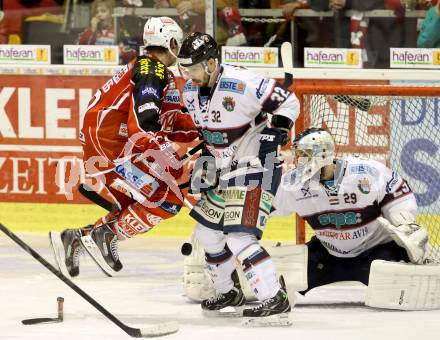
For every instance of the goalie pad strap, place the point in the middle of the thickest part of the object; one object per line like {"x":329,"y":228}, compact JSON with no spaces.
{"x":403,"y":286}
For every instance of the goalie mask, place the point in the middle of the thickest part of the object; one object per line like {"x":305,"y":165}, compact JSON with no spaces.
{"x":314,"y":148}
{"x":160,"y":32}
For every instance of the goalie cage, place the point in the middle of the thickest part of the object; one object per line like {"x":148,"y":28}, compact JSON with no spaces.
{"x":398,"y":125}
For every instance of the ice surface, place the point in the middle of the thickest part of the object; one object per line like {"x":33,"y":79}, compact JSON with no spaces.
{"x":149,"y":291}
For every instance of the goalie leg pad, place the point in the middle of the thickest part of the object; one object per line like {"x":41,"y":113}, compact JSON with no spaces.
{"x":291,"y":262}
{"x":403,"y":286}
{"x":197,"y":284}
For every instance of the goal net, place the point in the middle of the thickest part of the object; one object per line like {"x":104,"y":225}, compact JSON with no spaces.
{"x":398,"y":125}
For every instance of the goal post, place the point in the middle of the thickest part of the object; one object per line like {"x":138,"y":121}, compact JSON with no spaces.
{"x":398,"y":124}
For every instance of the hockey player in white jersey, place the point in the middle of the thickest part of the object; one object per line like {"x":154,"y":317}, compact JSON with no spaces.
{"x":240,"y":173}
{"x":360,"y":211}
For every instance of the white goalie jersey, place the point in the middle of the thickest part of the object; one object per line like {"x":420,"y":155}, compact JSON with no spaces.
{"x":343,"y":213}
{"x":233,"y":114}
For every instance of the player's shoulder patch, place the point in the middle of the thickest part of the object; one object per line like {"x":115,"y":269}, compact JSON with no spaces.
{"x":149,"y":66}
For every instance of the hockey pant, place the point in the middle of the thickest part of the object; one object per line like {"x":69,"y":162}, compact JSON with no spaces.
{"x":143,"y":200}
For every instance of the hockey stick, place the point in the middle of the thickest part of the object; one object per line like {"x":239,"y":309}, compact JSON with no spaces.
{"x":96,"y":198}
{"x":152,"y":331}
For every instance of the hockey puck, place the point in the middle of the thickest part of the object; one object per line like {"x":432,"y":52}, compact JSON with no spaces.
{"x":186,"y":249}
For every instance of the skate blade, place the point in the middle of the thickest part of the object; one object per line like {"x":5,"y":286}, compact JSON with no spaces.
{"x":58,"y":252}
{"x":227,"y":312}
{"x":96,"y":255}
{"x":277,"y":320}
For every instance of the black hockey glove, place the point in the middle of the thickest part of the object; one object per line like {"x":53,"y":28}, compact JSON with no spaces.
{"x":204,"y":175}
{"x":270,"y":140}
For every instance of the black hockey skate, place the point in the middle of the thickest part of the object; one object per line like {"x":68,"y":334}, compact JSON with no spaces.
{"x":102,"y":246}
{"x":271,"y":312}
{"x":218,"y":304}
{"x":67,"y":250}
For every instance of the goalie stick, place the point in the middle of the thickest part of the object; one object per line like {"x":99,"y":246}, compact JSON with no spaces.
{"x":158,"y":329}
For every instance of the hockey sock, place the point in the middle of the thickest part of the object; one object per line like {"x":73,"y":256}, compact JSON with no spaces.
{"x":220,"y":267}
{"x":259,"y":271}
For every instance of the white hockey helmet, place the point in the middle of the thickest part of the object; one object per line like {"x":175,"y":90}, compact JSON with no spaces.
{"x":314,"y":148}
{"x":160,"y":31}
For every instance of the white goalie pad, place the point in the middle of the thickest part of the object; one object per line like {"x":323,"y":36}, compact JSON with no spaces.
{"x":290,"y":261}
{"x":403,"y":286}
{"x":197,"y":284}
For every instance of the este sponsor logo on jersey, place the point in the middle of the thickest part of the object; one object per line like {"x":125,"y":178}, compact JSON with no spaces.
{"x":228,"y":103}
{"x":232,"y":85}
{"x":148,"y":106}
{"x":151,"y":91}
{"x":172,"y":97}
{"x":340,"y":219}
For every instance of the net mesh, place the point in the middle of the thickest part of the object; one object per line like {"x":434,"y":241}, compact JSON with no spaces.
{"x":401,"y":131}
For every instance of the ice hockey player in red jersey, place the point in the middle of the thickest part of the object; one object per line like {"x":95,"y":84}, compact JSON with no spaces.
{"x":126,"y":134}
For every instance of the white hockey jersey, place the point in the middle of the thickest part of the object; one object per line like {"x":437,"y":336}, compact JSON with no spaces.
{"x":233,"y":114}
{"x":343,"y":213}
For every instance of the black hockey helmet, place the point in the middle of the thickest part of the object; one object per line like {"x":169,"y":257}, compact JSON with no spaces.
{"x":196,"y":48}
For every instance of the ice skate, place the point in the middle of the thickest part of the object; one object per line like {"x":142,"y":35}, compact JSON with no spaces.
{"x":228,"y":304}
{"x":67,"y":250}
{"x":102,"y":246}
{"x":271,"y":312}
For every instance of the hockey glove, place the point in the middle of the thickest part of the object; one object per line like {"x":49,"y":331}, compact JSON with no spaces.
{"x":204,"y":175}
{"x":163,"y":159}
{"x":412,"y":237}
{"x":270,"y":140}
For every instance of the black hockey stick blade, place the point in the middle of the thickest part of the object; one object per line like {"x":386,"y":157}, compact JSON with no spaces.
{"x":40,"y":320}
{"x":96,"y":198}
{"x":159,"y":329}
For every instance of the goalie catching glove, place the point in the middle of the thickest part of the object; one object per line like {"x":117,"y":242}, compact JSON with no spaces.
{"x":411,"y":236}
